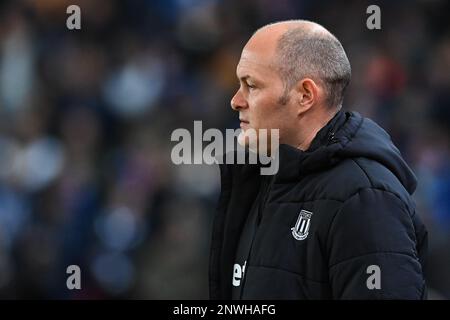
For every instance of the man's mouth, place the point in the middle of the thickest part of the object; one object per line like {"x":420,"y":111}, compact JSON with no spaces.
{"x":244,"y":123}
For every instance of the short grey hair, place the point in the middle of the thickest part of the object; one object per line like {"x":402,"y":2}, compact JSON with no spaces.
{"x":317,"y":55}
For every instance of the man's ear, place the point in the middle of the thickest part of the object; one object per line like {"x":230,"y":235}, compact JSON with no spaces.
{"x":308,"y":94}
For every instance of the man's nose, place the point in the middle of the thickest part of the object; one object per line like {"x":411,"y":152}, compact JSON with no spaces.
{"x":238,"y":101}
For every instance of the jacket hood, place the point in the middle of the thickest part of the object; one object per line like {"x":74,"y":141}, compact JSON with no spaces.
{"x":346,"y":135}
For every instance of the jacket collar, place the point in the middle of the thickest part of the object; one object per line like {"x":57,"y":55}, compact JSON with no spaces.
{"x":294,"y":162}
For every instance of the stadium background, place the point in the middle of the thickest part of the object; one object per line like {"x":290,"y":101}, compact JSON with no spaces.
{"x":86,"y":117}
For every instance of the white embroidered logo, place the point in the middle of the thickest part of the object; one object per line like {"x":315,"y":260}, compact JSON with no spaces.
{"x":301,"y":228}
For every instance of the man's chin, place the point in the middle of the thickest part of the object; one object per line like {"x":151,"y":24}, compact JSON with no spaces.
{"x":242,"y":139}
{"x":249,"y":138}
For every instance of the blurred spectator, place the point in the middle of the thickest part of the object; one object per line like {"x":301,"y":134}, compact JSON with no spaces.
{"x":86,"y":118}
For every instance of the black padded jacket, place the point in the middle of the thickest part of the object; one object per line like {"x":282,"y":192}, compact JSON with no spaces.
{"x":331,"y":219}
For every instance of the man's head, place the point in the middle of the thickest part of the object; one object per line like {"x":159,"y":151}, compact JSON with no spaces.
{"x":292,"y":76}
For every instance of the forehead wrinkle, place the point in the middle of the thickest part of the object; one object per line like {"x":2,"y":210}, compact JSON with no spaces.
{"x":246,"y":66}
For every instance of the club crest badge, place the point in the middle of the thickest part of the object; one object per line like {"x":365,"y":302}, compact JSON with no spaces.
{"x":301,"y":228}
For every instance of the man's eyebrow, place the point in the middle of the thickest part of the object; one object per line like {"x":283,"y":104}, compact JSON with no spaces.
{"x":243,"y":78}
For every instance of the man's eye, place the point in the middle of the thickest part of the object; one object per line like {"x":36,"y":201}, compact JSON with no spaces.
{"x":251,"y":86}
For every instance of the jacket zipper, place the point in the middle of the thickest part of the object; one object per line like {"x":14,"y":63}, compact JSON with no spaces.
{"x":261,"y":206}
{"x":331,"y":138}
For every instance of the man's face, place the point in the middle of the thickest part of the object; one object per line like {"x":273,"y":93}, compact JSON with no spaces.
{"x":258,"y":97}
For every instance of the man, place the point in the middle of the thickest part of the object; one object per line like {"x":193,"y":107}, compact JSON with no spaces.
{"x":337,"y":220}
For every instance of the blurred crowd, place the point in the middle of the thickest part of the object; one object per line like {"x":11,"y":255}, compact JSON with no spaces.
{"x":86,"y":117}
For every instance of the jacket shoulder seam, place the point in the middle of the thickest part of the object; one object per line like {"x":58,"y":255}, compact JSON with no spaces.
{"x":404,"y":207}
{"x":342,"y":200}
{"x":288,"y":271}
{"x":364,"y":172}
{"x":371,"y":253}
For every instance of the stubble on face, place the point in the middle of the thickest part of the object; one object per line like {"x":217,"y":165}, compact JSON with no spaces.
{"x":269,"y":106}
